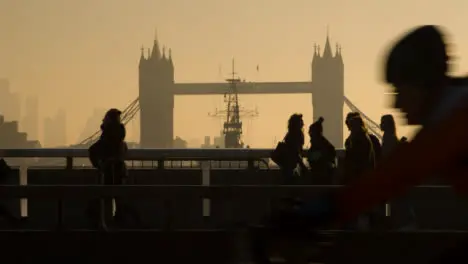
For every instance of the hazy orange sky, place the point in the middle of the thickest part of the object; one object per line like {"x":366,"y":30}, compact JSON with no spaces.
{"x":82,"y":54}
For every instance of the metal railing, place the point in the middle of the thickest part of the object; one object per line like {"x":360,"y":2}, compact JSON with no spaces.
{"x":161,"y":158}
{"x":167,"y":193}
{"x":149,"y":154}
{"x":204,"y":156}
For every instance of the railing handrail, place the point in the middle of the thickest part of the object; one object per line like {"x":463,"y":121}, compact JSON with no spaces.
{"x":148,"y":154}
{"x":163,"y":191}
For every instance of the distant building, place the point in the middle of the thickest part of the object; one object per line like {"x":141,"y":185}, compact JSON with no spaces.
{"x":207,"y":143}
{"x":193,"y":143}
{"x":55,"y":134}
{"x":30,"y":121}
{"x":92,"y":124}
{"x":61,"y":126}
{"x":10,"y":137}
{"x":48,"y":140}
{"x":218,"y":142}
{"x":179,"y":143}
{"x":10,"y":105}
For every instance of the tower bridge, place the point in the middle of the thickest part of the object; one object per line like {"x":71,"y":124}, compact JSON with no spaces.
{"x":157,"y":90}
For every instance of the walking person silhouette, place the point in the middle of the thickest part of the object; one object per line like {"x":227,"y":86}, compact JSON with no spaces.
{"x":108,"y":156}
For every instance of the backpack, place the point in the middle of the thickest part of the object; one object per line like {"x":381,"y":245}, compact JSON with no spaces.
{"x":280,"y":154}
{"x":95,"y":154}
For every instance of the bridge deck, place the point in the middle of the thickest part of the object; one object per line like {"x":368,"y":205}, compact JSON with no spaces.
{"x":244,"y":88}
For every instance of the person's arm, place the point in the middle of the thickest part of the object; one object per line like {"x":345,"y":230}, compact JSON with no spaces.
{"x":407,"y":166}
{"x":297,"y":145}
{"x":302,"y":165}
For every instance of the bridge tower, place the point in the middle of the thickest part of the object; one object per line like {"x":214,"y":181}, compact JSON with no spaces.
{"x":156,"y":81}
{"x":328,"y":91}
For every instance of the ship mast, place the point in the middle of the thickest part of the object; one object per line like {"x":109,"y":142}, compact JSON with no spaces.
{"x":232,"y":113}
{"x":232,"y":128}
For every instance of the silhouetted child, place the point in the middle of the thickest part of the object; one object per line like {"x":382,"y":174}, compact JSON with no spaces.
{"x":321,"y":155}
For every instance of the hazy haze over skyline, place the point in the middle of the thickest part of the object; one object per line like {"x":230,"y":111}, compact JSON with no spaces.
{"x":81,"y":54}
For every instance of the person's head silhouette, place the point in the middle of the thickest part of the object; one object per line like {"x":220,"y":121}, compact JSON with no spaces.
{"x":416,"y":67}
{"x":316,"y":129}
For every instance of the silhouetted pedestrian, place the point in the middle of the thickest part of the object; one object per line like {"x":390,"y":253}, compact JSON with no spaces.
{"x":359,"y":149}
{"x":108,"y":156}
{"x":288,"y":153}
{"x":321,"y":155}
{"x":403,"y":214}
{"x":359,"y":158}
{"x":390,"y":138}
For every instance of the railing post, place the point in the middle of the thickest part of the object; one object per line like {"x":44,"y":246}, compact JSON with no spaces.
{"x":23,"y":180}
{"x":250,"y":164}
{"x":69,"y":163}
{"x":60,"y":226}
{"x":206,"y":202}
{"x":161,"y":164}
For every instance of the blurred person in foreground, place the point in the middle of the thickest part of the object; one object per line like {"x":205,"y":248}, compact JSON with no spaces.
{"x":417,"y":68}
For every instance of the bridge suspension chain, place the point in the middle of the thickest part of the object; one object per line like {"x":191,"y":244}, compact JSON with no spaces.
{"x":127,"y":115}
{"x":373,"y":126}
{"x":132,"y":109}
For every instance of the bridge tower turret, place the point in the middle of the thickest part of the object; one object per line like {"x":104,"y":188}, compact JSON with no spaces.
{"x":328,"y":91}
{"x":156,"y":81}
